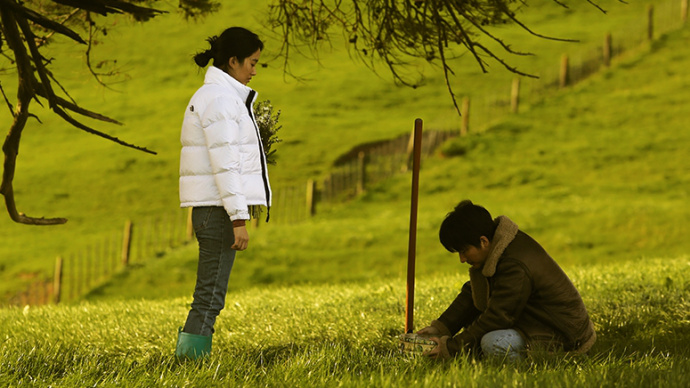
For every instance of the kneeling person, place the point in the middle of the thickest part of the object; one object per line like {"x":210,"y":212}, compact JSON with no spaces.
{"x":517,"y":298}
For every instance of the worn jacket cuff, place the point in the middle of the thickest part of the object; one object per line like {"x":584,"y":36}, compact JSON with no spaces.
{"x":242,"y":215}
{"x":441,"y":327}
{"x":461,"y":342}
{"x":444,"y":353}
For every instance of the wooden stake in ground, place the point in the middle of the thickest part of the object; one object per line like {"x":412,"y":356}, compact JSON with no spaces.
{"x":412,"y":246}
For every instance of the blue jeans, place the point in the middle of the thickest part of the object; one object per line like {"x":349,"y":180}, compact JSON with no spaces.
{"x":214,"y":232}
{"x":503,"y":343}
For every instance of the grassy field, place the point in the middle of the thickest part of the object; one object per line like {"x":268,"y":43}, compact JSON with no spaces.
{"x":346,"y":335}
{"x":597,"y":173}
{"x":98,"y":185}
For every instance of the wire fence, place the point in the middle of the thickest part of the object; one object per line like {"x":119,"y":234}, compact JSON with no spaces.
{"x":658,"y":19}
{"x":79,"y":273}
{"x":351,"y":176}
{"x":76,"y":274}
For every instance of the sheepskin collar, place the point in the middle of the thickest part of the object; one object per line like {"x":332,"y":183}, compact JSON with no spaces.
{"x":505,"y":233}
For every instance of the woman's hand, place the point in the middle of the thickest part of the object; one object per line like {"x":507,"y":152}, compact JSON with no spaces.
{"x":241,"y":238}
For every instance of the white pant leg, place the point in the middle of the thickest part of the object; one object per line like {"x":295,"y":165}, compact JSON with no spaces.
{"x":503,"y":343}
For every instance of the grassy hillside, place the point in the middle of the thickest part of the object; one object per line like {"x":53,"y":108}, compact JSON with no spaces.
{"x":345,"y":335}
{"x":597,"y":174}
{"x":98,"y":185}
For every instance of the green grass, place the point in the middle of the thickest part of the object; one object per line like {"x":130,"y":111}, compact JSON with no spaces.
{"x":592,"y":175}
{"x":98,"y":185}
{"x":598,"y":174}
{"x":345,"y":335}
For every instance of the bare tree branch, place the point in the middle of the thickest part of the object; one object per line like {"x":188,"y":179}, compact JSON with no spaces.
{"x":35,"y":80}
{"x":40,"y":20}
{"x":64,"y":20}
{"x":30,"y":40}
{"x":446,"y":70}
{"x":105,"y":7}
{"x":84,"y":112}
{"x":399,"y":32}
{"x":96,"y":75}
{"x":21,"y":114}
{"x":92,"y":131}
{"x":512,"y":17}
{"x":7,"y":100}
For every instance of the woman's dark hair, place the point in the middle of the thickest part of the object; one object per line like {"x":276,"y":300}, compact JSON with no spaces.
{"x":465,"y":225}
{"x":233,"y":42}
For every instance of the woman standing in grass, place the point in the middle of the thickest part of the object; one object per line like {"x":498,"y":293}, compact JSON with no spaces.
{"x":222,"y":173}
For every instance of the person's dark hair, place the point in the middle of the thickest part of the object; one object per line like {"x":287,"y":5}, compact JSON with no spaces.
{"x":233,"y":42}
{"x":465,"y":225}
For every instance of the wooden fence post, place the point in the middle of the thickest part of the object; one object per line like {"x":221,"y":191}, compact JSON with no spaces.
{"x":98,"y":262}
{"x":361,"y":172}
{"x":431,"y":142}
{"x":684,"y":11}
{"x":408,"y":154}
{"x":113,"y":242}
{"x":71,"y":276}
{"x":83,"y":273}
{"x":127,"y":243}
{"x":650,"y":22}
{"x":465,"y":113}
{"x":47,"y":289}
{"x":57,"y":280}
{"x":327,"y":194}
{"x":607,"y":50}
{"x":565,"y":71}
{"x":155,"y":236}
{"x":90,"y":266}
{"x":78,"y":275}
{"x":311,"y":203}
{"x":515,"y":96}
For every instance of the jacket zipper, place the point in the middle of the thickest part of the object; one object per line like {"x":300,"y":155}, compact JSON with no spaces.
{"x":264,"y":173}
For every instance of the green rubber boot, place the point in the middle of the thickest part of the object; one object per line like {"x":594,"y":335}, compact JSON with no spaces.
{"x":192,"y":346}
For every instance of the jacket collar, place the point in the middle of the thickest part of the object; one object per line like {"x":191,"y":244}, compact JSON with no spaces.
{"x":504,"y":235}
{"x":217,"y":76}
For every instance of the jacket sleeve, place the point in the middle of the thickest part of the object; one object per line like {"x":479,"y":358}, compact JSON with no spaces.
{"x":461,"y":312}
{"x":221,"y":130}
{"x":511,"y":287}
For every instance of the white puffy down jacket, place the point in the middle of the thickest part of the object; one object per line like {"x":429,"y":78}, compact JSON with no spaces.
{"x":222,"y":162}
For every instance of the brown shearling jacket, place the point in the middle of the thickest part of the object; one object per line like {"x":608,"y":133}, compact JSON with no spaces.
{"x":520,"y":287}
